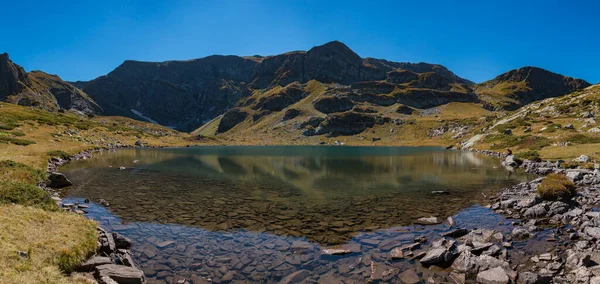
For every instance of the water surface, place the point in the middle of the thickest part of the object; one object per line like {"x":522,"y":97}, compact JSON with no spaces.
{"x":261,"y":213}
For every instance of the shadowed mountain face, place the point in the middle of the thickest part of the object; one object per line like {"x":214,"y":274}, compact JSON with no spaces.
{"x":186,"y":94}
{"x":519,"y":87}
{"x":40,"y":90}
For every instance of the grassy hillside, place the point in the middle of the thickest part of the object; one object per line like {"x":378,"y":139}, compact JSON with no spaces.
{"x":556,"y":128}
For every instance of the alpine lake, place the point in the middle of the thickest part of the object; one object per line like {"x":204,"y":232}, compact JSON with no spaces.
{"x":264,"y":214}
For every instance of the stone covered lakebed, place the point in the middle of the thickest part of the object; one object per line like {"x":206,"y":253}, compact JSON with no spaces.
{"x":293,"y":213}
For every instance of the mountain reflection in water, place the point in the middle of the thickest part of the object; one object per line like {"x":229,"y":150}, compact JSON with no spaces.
{"x":326,"y":194}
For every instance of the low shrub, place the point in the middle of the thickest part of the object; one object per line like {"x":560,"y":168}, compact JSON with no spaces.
{"x":556,"y":187}
{"x":529,"y":155}
{"x":25,"y":194}
{"x":59,"y":154}
{"x":16,"y":141}
{"x":17,"y":133}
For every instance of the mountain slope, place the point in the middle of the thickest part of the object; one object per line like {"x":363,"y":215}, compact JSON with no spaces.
{"x":519,"y":87}
{"x":40,"y":90}
{"x":186,"y":94}
{"x":563,"y":127}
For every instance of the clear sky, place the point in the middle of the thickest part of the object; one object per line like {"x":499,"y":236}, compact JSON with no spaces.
{"x":80,"y":40}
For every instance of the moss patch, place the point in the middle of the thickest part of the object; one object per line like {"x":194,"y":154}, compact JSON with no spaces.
{"x":556,"y":187}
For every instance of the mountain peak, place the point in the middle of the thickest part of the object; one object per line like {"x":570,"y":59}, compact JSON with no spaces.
{"x":335,"y":48}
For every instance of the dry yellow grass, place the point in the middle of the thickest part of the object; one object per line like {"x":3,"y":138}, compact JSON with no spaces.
{"x":53,"y":240}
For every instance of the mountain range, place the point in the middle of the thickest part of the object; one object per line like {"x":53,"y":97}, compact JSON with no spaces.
{"x":328,"y":89}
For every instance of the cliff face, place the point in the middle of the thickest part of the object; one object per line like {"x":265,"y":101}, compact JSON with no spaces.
{"x":186,"y":94}
{"x":522,"y":86}
{"x":40,"y":90}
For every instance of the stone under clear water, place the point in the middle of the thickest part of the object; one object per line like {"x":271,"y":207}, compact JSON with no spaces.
{"x":260,"y":214}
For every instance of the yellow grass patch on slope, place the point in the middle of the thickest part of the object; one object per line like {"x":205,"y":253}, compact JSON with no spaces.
{"x":53,"y":241}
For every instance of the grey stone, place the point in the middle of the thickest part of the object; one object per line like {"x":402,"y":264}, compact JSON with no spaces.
{"x":436,"y":255}
{"x":121,"y":274}
{"x":528,"y":278}
{"x":121,"y":242}
{"x":428,"y":221}
{"x":456,"y":233}
{"x":593,"y":232}
{"x":493,"y":276}
{"x":535,"y":211}
{"x":466,"y":262}
{"x":520,"y":233}
{"x":91,"y":263}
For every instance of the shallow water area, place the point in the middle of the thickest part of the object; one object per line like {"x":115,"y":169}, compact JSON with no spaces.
{"x":259,"y":214}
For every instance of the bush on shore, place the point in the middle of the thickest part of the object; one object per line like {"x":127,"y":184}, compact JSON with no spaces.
{"x":556,"y":187}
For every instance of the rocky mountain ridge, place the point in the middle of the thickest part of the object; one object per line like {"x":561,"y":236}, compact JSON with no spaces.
{"x":42,"y":90}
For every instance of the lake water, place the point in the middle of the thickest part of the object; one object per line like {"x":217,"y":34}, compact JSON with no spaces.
{"x":259,"y":214}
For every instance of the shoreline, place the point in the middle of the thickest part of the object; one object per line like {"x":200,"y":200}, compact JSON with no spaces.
{"x":506,"y":202}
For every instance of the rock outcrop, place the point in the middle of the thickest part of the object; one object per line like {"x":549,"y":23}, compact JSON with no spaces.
{"x":41,"y":90}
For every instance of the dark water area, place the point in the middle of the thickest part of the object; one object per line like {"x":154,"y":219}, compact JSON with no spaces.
{"x":259,"y":214}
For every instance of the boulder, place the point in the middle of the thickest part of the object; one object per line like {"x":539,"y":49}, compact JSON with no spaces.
{"x":456,"y":233}
{"x":520,"y":233}
{"x":436,"y":255}
{"x":121,"y":274}
{"x":466,"y":262}
{"x":529,"y":278}
{"x":493,"y":276}
{"x":536,"y":211}
{"x":58,"y":180}
{"x":139,"y":143}
{"x":582,"y":159}
{"x":290,"y":113}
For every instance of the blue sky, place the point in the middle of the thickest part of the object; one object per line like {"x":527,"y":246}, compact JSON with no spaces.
{"x":80,"y":40}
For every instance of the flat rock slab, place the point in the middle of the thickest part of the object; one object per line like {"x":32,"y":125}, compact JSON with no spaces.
{"x":409,"y":277}
{"x":121,"y":274}
{"x":342,"y":250}
{"x":428,"y":221}
{"x":295,"y":277}
{"x":93,"y":262}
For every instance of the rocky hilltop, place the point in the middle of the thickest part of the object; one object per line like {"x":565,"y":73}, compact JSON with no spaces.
{"x":519,"y":87}
{"x":40,"y":90}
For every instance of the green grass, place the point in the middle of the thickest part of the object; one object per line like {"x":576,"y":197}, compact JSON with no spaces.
{"x":530,"y":142}
{"x":17,"y":172}
{"x":528,"y":155}
{"x":556,"y":187}
{"x":583,"y":139}
{"x":59,"y":154}
{"x":516,"y":123}
{"x":17,"y":141}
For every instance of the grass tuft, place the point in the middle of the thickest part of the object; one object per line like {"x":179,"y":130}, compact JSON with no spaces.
{"x":59,"y":154}
{"x":556,"y":187}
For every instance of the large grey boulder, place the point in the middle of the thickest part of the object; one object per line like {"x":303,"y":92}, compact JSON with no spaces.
{"x":121,"y":274}
{"x":466,"y":262}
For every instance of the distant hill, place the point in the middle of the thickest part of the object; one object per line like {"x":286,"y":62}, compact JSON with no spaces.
{"x":41,"y":90}
{"x":518,"y":87}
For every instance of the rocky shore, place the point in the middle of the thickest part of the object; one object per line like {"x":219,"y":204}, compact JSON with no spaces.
{"x":113,"y":262}
{"x":481,"y":255}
